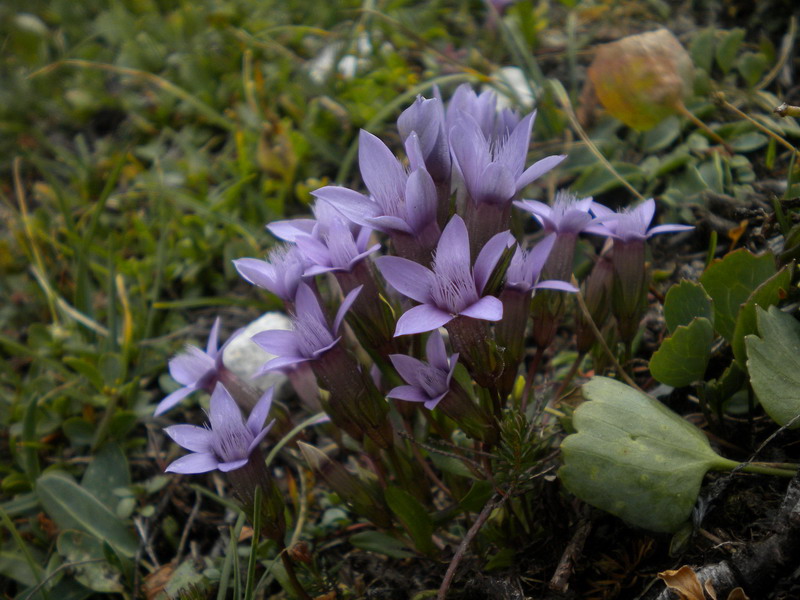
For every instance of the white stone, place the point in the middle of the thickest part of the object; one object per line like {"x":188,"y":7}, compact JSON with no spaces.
{"x":244,"y":357}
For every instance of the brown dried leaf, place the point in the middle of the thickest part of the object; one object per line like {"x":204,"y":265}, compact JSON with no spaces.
{"x":641,"y":79}
{"x":684,"y":581}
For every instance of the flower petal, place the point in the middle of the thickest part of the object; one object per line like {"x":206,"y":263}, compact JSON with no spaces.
{"x":408,"y":393}
{"x":352,"y":205}
{"x":289,"y":230}
{"x":668,"y":229}
{"x":280,"y":362}
{"x":420,"y":319}
{"x":346,"y":304}
{"x":233,"y":465}
{"x":496,"y":185}
{"x":407,"y":277}
{"x":387,"y":224}
{"x":213,"y":339}
{"x":191,"y":437}
{"x":262,"y":433}
{"x":223,"y":412}
{"x":193,"y":463}
{"x":487,"y":308}
{"x":515,"y":149}
{"x":436,"y":352}
{"x":381,"y":171}
{"x":537,"y":169}
{"x":470,"y":150}
{"x":421,"y":200}
{"x":189,"y":367}
{"x":488,"y":257}
{"x":307,"y":305}
{"x":407,"y":367}
{"x":256,"y":271}
{"x":555,"y":284}
{"x":174,"y":398}
{"x":255,"y":422}
{"x":279,"y":342}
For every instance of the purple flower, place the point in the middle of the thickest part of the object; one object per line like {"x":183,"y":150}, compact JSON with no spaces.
{"x":398,"y":201}
{"x":337,"y":249}
{"x":452,"y":288}
{"x":426,"y":118}
{"x":312,"y":336}
{"x":568,"y":215}
{"x":526,"y":267}
{"x":483,"y":108}
{"x":280,"y":273}
{"x":631,"y":224}
{"x":195,"y":369}
{"x":429,"y":381}
{"x":493,"y":170}
{"x":225,"y":445}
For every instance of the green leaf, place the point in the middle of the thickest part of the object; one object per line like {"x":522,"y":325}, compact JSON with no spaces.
{"x":702,"y":49}
{"x":413,"y":516}
{"x":662,"y":135}
{"x":477,"y":496}
{"x":107,"y":472}
{"x":86,"y":369}
{"x":772,"y":291}
{"x":682,"y":358}
{"x":634,"y":458}
{"x":684,"y":302}
{"x":730,"y":281}
{"x":773,"y":359}
{"x":751,"y":66}
{"x":375,"y":541}
{"x":728,"y":47}
{"x":93,"y":571}
{"x":111,"y":368}
{"x":73,"y":507}
{"x":599,"y":179}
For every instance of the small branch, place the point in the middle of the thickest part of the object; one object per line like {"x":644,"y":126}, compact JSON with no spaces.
{"x":462,"y":548}
{"x":560,"y":579}
{"x":712,"y":134}
{"x":787,"y":110}
{"x":720,"y":98}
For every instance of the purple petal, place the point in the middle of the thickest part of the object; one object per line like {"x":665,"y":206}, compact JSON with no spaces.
{"x":454,"y":242}
{"x":352,"y":205}
{"x":470,"y":151}
{"x":191,"y":437}
{"x":407,"y":367}
{"x":416,"y":158}
{"x":496,"y":184}
{"x":408,"y":393}
{"x":431,"y":404}
{"x":213,"y":339}
{"x":259,"y":437}
{"x":280,"y":362}
{"x":515,"y":149}
{"x":190,"y":366}
{"x":255,"y":422}
{"x":225,"y":467}
{"x":380,"y":170}
{"x":257,"y":272}
{"x":436,"y":352}
{"x":314,"y":250}
{"x":488,"y":257}
{"x":359,"y":257}
{"x":174,"y":398}
{"x":307,"y":305}
{"x":407,"y":277}
{"x":668,"y":229}
{"x":290,"y":229}
{"x":387,"y":224}
{"x":421,"y":200}
{"x":537,"y":169}
{"x":647,"y":210}
{"x":420,"y":319}
{"x":538,"y":256}
{"x":223,"y":410}
{"x":487,"y":308}
{"x":600,"y":210}
{"x":555,"y":284}
{"x":280,"y":342}
{"x":346,"y":304}
{"x":193,"y":463}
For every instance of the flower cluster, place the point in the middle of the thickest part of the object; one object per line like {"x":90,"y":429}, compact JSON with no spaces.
{"x":449,"y":273}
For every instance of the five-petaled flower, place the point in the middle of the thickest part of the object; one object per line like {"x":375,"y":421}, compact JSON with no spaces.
{"x":311,"y":337}
{"x":195,"y":369}
{"x":452,"y":288}
{"x":225,"y":445}
{"x":429,"y":381}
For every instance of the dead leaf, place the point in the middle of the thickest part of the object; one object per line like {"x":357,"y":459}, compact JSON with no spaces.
{"x":685,"y":583}
{"x":641,"y":79}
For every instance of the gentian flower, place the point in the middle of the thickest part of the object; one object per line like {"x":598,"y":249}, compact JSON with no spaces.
{"x":630,"y":229}
{"x":280,"y":274}
{"x":429,"y":382}
{"x":452,"y":287}
{"x":312,"y":336}
{"x":402,"y":205}
{"x":228,"y":442}
{"x":426,"y":118}
{"x":483,"y":108}
{"x":195,"y":369}
{"x":567,"y":218}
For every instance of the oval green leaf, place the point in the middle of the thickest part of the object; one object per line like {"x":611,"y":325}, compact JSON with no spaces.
{"x":634,"y":458}
{"x":682,"y":358}
{"x":684,"y":302}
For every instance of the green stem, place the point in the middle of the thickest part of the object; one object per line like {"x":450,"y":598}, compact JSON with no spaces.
{"x":764,"y":470}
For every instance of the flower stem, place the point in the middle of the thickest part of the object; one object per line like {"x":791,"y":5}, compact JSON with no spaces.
{"x":288,"y":565}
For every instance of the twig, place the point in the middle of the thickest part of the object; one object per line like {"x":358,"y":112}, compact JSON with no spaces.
{"x":787,"y":110}
{"x":601,"y":340}
{"x":720,"y":98}
{"x":189,"y":522}
{"x":560,"y":579}
{"x":462,"y":548}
